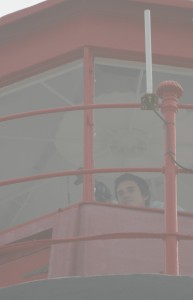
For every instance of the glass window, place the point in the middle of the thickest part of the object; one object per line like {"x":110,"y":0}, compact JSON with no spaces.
{"x":134,"y":137}
{"x":41,"y":144}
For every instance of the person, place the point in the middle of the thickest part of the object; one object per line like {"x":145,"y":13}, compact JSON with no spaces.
{"x":132,"y":190}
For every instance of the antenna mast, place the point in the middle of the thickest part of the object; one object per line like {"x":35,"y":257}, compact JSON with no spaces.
{"x":149,"y":101}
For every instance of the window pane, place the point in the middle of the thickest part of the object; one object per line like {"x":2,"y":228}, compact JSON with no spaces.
{"x":134,"y":137}
{"x":41,"y":144}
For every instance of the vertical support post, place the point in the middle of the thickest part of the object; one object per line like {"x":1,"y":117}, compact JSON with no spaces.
{"x":170,"y":92}
{"x":88,"y":183}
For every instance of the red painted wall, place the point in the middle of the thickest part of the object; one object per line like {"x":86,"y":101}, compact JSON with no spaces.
{"x":97,"y":257}
{"x":27,"y":267}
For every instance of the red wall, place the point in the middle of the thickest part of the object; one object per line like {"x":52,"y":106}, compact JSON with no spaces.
{"x":98,"y":257}
{"x":27,"y":267}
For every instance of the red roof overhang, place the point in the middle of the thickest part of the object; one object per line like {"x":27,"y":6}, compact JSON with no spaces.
{"x":49,"y":4}
{"x":53,"y":32}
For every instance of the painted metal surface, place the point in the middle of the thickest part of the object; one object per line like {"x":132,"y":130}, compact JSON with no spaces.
{"x":104,"y":287}
{"x":88,"y":182}
{"x":57,"y":37}
{"x":170,"y":92}
{"x":92,"y":239}
{"x":108,"y":35}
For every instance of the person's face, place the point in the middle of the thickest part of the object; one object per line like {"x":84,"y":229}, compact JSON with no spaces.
{"x":128,"y":193}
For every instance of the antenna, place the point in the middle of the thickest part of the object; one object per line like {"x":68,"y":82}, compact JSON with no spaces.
{"x":149,"y":101}
{"x":148,"y":52}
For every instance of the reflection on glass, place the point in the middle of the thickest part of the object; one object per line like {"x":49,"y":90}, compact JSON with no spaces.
{"x":41,"y":144}
{"x":132,"y":137}
{"x":115,"y":79}
{"x":69,"y":138}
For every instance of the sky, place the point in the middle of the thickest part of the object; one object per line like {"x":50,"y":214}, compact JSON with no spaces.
{"x":9,"y":6}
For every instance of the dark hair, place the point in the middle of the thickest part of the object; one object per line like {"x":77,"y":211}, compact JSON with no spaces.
{"x":142,"y":184}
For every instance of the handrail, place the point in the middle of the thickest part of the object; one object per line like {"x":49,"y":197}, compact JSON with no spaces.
{"x":77,"y":172}
{"x":77,"y":108}
{"x":118,"y":235}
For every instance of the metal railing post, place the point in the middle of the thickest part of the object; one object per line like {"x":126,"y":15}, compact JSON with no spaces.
{"x":88,"y":183}
{"x":170,"y":92}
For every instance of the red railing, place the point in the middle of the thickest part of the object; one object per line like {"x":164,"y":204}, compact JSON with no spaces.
{"x":169,"y":92}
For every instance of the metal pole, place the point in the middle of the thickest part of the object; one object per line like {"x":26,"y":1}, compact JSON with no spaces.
{"x":88,"y":183}
{"x":169,"y":92}
{"x":148,"y":52}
